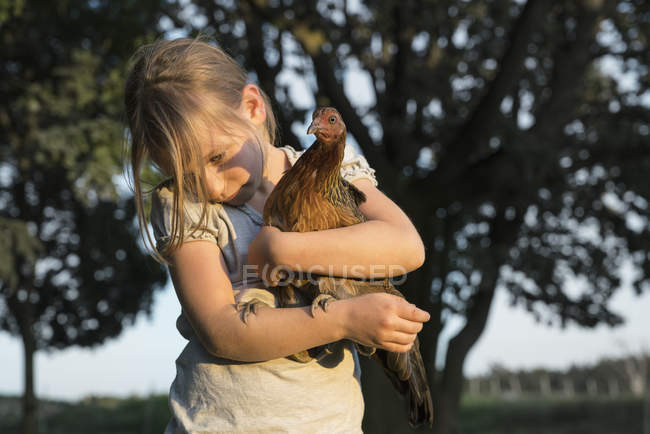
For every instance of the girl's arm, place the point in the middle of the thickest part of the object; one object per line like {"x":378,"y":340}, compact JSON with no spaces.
{"x":387,"y":244}
{"x":201,"y":282}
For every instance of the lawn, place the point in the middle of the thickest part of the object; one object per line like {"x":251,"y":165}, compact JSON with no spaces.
{"x":556,"y":416}
{"x":478,"y":415}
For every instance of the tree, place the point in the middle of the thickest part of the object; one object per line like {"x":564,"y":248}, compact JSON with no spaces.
{"x":497,"y":126}
{"x":72,"y":270}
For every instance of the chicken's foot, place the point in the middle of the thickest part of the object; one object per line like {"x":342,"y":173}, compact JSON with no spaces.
{"x":365,"y":350}
{"x":322,"y":300}
{"x":245,"y":308}
{"x":302,"y":357}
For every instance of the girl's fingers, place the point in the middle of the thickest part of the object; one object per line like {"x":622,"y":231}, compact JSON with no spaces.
{"x":398,"y":348}
{"x":406,"y":326}
{"x":401,"y":338}
{"x":412,"y":313}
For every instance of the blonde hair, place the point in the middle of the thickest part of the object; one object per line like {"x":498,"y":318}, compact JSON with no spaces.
{"x":174,"y":90}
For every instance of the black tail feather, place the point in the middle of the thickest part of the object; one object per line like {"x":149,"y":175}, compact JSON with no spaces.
{"x":407,"y":375}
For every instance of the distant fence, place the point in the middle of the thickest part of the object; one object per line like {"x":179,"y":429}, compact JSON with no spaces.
{"x":608,"y":378}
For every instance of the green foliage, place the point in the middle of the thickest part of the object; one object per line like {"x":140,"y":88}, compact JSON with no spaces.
{"x":10,"y":8}
{"x":83,"y":131}
{"x":73,"y":272}
{"x":61,"y":140}
{"x":137,"y":415}
{"x":19,"y":245}
{"x":99,"y":415}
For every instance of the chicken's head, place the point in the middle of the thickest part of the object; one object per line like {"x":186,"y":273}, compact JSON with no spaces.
{"x":327,"y":125}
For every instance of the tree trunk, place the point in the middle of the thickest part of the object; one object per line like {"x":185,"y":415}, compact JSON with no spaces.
{"x":451,"y":386}
{"x":22,"y":313}
{"x":385,"y":412}
{"x":30,"y":403}
{"x":646,"y":411}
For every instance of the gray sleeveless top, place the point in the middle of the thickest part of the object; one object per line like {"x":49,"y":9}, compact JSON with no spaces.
{"x":216,"y":395}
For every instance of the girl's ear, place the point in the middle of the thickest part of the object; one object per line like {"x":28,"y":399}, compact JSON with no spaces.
{"x":252,"y":104}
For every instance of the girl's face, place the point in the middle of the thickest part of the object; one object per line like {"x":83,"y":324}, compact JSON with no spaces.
{"x":234,"y":167}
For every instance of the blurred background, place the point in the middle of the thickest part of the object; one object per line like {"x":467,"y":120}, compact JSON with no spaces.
{"x":514,"y":133}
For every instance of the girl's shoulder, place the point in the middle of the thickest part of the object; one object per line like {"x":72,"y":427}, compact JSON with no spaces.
{"x":164,"y":193}
{"x":161,"y":216}
{"x":164,"y":190}
{"x":354,"y":165}
{"x":292,"y":154}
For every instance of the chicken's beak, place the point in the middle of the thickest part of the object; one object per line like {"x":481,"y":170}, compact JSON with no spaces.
{"x":313,"y":128}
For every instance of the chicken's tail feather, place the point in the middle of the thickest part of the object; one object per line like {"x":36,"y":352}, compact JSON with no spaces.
{"x":407,"y":375}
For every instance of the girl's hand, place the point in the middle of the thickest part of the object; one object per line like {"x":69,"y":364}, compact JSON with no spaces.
{"x":261,"y":254}
{"x":383,"y":321}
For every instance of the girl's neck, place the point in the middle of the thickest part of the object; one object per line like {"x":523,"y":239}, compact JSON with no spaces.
{"x":278,"y":163}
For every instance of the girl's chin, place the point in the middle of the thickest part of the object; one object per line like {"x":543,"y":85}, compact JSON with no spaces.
{"x":234,"y":202}
{"x":240,"y":198}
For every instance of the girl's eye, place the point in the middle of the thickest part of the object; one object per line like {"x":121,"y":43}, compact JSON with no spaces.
{"x":332,"y":119}
{"x":216,"y":158}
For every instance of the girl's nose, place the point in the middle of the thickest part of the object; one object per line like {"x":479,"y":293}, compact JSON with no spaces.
{"x":216,"y":187}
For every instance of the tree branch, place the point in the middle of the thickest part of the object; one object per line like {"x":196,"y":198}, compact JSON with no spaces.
{"x":311,"y":40}
{"x":572,"y":60}
{"x":483,"y":119}
{"x":395,"y":100}
{"x":503,"y":233}
{"x":267,"y":74}
{"x":329,"y":85}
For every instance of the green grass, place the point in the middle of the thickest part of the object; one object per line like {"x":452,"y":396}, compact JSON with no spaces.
{"x":557,"y":416}
{"x":101,"y":416}
{"x":478,"y":415}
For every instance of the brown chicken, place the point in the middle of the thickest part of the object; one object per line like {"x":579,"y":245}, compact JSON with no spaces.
{"x":313,"y":196}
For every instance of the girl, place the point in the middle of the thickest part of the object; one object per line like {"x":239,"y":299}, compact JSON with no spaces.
{"x":192,"y":112}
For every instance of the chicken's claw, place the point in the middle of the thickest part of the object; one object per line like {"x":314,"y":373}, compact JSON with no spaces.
{"x":302,"y":357}
{"x":245,"y":308}
{"x":322,"y":300}
{"x":365,"y":350}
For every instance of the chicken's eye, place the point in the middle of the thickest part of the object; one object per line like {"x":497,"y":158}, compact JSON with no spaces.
{"x":332,"y":119}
